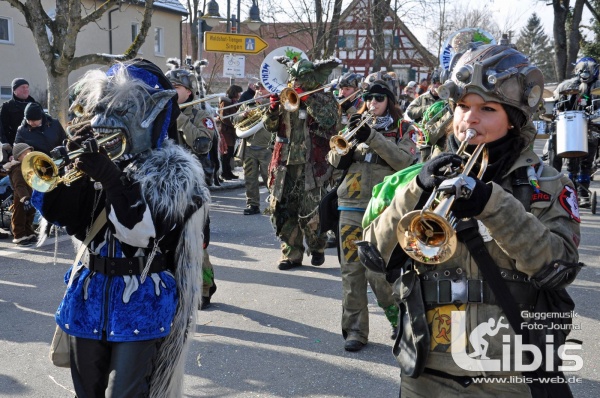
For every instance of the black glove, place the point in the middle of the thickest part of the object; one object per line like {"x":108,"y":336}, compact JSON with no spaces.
{"x":99,"y":167}
{"x":346,"y":105}
{"x":432,"y":173}
{"x":26,"y":204}
{"x":83,"y":134}
{"x":363,"y":132}
{"x":473,"y":206}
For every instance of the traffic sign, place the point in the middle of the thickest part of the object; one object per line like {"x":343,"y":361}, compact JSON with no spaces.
{"x":233,"y":43}
{"x":234,"y":65}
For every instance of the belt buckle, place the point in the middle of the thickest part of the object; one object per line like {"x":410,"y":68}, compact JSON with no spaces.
{"x":475,"y":281}
{"x":458,"y":291}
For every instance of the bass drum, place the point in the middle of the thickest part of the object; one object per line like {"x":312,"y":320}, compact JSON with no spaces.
{"x":572,"y":134}
{"x":274,"y":75}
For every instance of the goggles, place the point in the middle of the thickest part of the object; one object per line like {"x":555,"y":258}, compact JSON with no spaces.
{"x":376,"y":97}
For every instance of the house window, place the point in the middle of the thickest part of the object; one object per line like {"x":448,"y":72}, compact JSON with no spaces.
{"x":5,"y":92}
{"x":6,"y":33}
{"x":351,"y":41}
{"x":135,"y":28}
{"x":159,"y":41}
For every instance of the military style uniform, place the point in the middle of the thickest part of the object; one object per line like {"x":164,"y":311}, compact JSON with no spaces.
{"x":382,"y":154}
{"x":257,"y":155}
{"x":521,"y":242}
{"x":298,"y":171}
{"x":193,"y":123}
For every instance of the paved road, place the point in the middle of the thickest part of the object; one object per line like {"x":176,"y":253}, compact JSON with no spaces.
{"x":269,"y":333}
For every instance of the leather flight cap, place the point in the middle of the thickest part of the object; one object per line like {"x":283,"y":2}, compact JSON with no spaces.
{"x":126,"y":266}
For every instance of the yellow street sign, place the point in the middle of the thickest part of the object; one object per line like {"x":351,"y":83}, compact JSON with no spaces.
{"x":233,"y":43}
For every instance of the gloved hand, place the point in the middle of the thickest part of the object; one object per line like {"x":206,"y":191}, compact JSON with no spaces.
{"x":363,"y":132}
{"x":26,"y":203}
{"x":300,"y":91}
{"x":274,"y":101}
{"x":99,"y":167}
{"x":346,"y":105}
{"x":432,"y":173}
{"x":84,"y":133}
{"x":473,"y":206}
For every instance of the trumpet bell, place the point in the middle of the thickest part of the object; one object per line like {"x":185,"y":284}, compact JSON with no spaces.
{"x":40,"y":171}
{"x":426,"y":237}
{"x":339,"y":144}
{"x":289,"y":99}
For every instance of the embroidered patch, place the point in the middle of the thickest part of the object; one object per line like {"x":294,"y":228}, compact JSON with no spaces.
{"x":350,"y":234}
{"x":540,"y":197}
{"x":208,"y":123}
{"x":353,"y":185}
{"x":568,"y":201}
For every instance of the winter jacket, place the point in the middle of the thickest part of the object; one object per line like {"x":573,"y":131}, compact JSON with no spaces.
{"x":517,"y":239}
{"x":417,"y":108}
{"x":11,"y":117}
{"x":45,"y":137}
{"x":227,"y":129}
{"x":382,"y":154}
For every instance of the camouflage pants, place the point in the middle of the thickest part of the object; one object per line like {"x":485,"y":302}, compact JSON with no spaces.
{"x":256,"y":161}
{"x":208,"y":275}
{"x":295,"y":217}
{"x":355,"y":314}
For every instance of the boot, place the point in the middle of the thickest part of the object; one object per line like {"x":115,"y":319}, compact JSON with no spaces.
{"x":584,"y":195}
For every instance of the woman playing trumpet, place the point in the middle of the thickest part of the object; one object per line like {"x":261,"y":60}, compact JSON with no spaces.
{"x":379,"y":150}
{"x":520,"y":217}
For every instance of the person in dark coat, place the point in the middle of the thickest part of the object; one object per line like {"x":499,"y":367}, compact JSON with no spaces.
{"x":12,"y":111}
{"x":39,"y":130}
{"x":249,"y":93}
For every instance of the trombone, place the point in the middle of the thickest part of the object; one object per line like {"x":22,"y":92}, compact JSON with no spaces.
{"x":342,"y":143}
{"x":351,"y":97}
{"x":428,"y":235}
{"x":198,"y":101}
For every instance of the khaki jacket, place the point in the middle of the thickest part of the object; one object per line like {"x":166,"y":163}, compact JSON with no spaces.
{"x":520,"y":240}
{"x":194,"y":123}
{"x":357,"y":187}
{"x":417,"y":108}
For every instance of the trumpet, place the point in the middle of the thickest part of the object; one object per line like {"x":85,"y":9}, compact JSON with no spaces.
{"x":43,"y":173}
{"x":342,"y":143}
{"x":198,"y":101}
{"x":428,"y":235}
{"x":290,"y":99}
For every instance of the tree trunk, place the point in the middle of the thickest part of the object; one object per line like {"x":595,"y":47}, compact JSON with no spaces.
{"x":334,"y":29}
{"x":574,"y":36}
{"x":58,"y":96}
{"x":561,"y":9}
{"x":379,"y":12}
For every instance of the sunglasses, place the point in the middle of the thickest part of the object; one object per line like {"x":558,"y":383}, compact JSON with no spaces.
{"x":376,"y":97}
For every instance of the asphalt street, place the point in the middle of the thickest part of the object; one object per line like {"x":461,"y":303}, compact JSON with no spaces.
{"x":269,"y":333}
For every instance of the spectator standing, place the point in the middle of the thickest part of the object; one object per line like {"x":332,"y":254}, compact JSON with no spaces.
{"x":13,"y":111}
{"x":40,"y":130}
{"x":23,"y":211}
{"x":232,"y":96}
{"x":250,"y":92}
{"x":422,"y":88}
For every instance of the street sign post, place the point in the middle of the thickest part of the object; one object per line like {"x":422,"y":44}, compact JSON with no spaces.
{"x":234,"y":65}
{"x":233,"y":43}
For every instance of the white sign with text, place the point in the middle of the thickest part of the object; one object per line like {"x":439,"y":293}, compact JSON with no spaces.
{"x":234,"y":65}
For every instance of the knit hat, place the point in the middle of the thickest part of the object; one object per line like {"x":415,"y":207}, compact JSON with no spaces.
{"x":19,"y":148}
{"x":33,"y":111}
{"x":19,"y":81}
{"x":380,"y":87}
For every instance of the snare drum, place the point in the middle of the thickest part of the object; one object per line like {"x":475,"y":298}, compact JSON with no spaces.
{"x":571,"y":134}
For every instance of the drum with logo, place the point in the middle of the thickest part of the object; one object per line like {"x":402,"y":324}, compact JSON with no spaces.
{"x":571,"y":134}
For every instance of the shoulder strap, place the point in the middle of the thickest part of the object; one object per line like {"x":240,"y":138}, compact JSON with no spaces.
{"x":96,"y":226}
{"x":522,"y":189}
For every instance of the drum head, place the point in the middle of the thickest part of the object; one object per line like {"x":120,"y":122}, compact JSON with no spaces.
{"x":274,"y":75}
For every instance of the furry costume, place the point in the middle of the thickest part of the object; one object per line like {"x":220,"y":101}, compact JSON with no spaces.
{"x":156,"y":213}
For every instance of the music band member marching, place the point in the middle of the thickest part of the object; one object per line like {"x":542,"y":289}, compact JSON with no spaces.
{"x":379,"y":149}
{"x":130,"y":306}
{"x":298,"y":168}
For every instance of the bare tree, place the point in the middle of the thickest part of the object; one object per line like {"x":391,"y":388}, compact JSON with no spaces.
{"x":56,"y":39}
